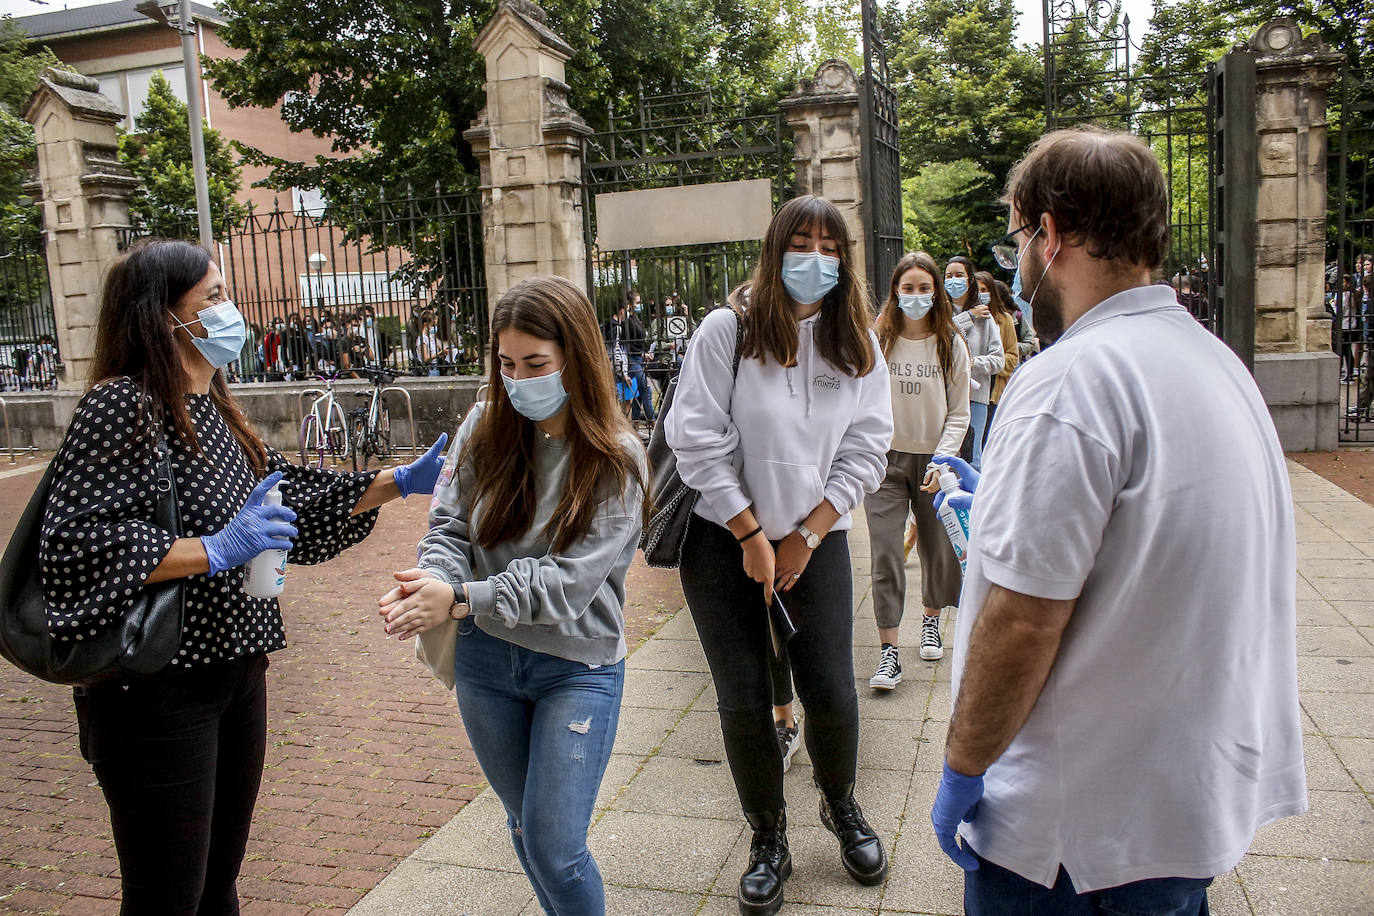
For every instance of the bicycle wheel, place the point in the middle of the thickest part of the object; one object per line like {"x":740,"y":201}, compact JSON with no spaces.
{"x":381,"y":436}
{"x":357,"y":418}
{"x":337,"y":433}
{"x":311,"y":442}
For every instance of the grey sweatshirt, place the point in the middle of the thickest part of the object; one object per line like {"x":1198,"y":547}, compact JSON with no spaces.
{"x":568,"y":604}
{"x":986,"y":356}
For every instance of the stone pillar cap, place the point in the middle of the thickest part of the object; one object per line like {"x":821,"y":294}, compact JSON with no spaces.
{"x":79,"y":93}
{"x":835,"y":81}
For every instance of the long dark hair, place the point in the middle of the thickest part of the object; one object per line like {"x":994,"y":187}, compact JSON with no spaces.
{"x":134,"y":338}
{"x":770,"y":327}
{"x":891,"y":320}
{"x":501,"y":448}
{"x":971,"y":273}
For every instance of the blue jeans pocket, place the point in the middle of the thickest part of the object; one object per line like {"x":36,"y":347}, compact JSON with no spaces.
{"x":466,"y":626}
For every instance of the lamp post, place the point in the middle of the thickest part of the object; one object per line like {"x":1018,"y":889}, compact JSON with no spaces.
{"x":317,"y":262}
{"x":177,"y":15}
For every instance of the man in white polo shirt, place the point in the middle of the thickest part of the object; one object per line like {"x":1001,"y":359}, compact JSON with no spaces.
{"x":1126,"y":712}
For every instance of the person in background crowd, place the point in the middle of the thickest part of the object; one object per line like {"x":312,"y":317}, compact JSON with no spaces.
{"x":356,"y":354}
{"x":249,"y":362}
{"x":1126,"y":712}
{"x":984,"y":338}
{"x":274,"y":351}
{"x":533,"y":527}
{"x":179,"y":754}
{"x":378,"y":343}
{"x":428,"y":350}
{"x":1346,"y":324}
{"x":636,"y":346}
{"x":779,"y":468}
{"x":928,"y":363}
{"x":298,"y":355}
{"x":328,"y":347}
{"x":989,"y":295}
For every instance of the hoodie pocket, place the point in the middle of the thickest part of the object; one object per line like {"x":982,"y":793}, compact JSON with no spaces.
{"x":783,"y":493}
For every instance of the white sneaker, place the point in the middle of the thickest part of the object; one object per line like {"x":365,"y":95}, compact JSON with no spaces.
{"x":931,"y":647}
{"x":889,"y":673}
{"x":789,"y":739}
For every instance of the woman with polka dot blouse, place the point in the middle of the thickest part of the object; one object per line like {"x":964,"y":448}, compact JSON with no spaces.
{"x":179,"y":755}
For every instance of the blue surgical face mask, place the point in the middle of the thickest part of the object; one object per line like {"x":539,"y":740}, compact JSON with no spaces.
{"x":809,"y":275}
{"x":537,"y":398}
{"x":225,"y":333}
{"x":984,"y":298}
{"x":1016,"y":288}
{"x":956,"y":286}
{"x":915,"y":305}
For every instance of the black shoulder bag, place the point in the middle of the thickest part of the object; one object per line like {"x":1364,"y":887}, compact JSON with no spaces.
{"x":673,"y":500}
{"x":141,"y":643}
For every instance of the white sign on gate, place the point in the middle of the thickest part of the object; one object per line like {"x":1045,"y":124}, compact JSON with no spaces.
{"x":698,"y":214}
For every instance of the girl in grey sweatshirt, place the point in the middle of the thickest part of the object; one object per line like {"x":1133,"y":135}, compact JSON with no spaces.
{"x":519,"y":591}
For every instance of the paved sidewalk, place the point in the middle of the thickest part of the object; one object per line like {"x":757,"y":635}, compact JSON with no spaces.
{"x":670,"y":840}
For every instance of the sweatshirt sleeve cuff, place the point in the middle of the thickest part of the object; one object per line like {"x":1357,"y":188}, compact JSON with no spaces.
{"x":482,"y":598}
{"x":728,"y":502}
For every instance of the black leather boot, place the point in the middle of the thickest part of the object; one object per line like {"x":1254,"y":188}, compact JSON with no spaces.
{"x":861,"y":851}
{"x":770,"y":864}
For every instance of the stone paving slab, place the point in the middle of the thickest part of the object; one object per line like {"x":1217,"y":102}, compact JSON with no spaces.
{"x":669,"y":838}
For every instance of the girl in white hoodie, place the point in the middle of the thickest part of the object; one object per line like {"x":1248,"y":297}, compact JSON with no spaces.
{"x":781,"y":453}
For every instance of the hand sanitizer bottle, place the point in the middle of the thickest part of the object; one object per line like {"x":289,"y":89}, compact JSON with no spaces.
{"x":266,"y":573}
{"x":954,"y":520}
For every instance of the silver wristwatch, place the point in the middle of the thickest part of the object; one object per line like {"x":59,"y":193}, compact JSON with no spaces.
{"x":813,"y":540}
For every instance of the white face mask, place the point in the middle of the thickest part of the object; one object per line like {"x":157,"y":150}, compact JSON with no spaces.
{"x":984,"y":298}
{"x":915,"y":305}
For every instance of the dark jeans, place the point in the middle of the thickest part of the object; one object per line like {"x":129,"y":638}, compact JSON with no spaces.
{"x":731,"y":620}
{"x":992,"y":890}
{"x":643,"y":408}
{"x":179,"y":757}
{"x":542,"y":728}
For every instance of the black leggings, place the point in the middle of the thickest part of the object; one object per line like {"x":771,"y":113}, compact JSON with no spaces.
{"x":179,"y":757}
{"x":731,"y":620}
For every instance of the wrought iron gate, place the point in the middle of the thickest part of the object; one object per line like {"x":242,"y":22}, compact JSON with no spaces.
{"x":29,"y":357}
{"x":882,"y":176}
{"x":678,"y":140}
{"x":1349,"y":280}
{"x":1090,"y":76}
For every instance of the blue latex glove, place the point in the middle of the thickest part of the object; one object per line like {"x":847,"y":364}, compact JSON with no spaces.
{"x":422,"y":474}
{"x":956,"y":800}
{"x":968,"y":481}
{"x":256,"y":528}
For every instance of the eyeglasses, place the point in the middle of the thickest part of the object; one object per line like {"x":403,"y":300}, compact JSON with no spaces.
{"x":1004,"y":249}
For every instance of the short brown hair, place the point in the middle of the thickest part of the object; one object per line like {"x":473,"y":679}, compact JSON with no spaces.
{"x":1104,"y":188}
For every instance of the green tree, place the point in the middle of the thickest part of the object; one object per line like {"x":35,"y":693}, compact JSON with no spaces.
{"x":158,"y":152}
{"x":20,"y":68}
{"x":394,"y":83}
{"x":968,"y":98}
{"x":934,"y":215}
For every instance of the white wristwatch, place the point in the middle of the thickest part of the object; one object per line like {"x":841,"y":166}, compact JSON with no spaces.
{"x":812,"y":539}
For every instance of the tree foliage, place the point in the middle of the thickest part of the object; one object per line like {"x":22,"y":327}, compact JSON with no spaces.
{"x":158,"y":152}
{"x":970,"y":102}
{"x":394,"y":83}
{"x":19,"y":72}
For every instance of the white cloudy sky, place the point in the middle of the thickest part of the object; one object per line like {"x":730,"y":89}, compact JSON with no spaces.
{"x":1030,"y":28}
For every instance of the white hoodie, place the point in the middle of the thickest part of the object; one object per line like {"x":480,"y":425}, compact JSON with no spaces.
{"x":777,"y":439}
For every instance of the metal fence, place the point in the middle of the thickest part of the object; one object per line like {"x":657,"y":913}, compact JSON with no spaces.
{"x":1350,"y":254}
{"x":394,"y":281}
{"x":29,"y":356}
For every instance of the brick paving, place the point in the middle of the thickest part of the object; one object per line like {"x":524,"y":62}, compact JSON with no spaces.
{"x":1351,"y":469}
{"x":366,"y":754}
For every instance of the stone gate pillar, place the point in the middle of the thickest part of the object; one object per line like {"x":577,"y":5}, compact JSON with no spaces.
{"x":84,"y":192}
{"x":824,"y":116}
{"x":528,"y":141}
{"x":1294,"y":365}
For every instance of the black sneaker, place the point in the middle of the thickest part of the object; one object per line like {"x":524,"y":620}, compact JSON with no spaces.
{"x":789,"y":739}
{"x":889,"y":673}
{"x":931,"y":647}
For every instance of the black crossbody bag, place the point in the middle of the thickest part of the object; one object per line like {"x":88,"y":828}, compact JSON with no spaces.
{"x":673,"y":500}
{"x":141,"y":643}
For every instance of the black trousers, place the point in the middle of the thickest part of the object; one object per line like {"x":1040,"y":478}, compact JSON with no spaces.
{"x":179,"y":757}
{"x":731,"y":620}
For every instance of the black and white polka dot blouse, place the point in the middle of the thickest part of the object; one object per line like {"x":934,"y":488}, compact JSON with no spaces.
{"x":99,"y":543}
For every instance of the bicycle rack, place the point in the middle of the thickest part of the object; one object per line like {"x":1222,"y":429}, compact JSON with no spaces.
{"x":410,"y":417}
{"x":9,"y":436}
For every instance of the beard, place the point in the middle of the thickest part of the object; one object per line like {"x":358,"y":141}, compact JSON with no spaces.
{"x":1047,"y":313}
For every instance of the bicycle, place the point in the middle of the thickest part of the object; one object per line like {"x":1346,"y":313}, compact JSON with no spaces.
{"x":324,"y":430}
{"x":370,"y":424}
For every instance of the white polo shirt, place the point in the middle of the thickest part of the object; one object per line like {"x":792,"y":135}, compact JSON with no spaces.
{"x":1133,"y":465}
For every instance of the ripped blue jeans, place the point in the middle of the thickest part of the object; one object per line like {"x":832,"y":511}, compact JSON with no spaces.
{"x":542,"y":728}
